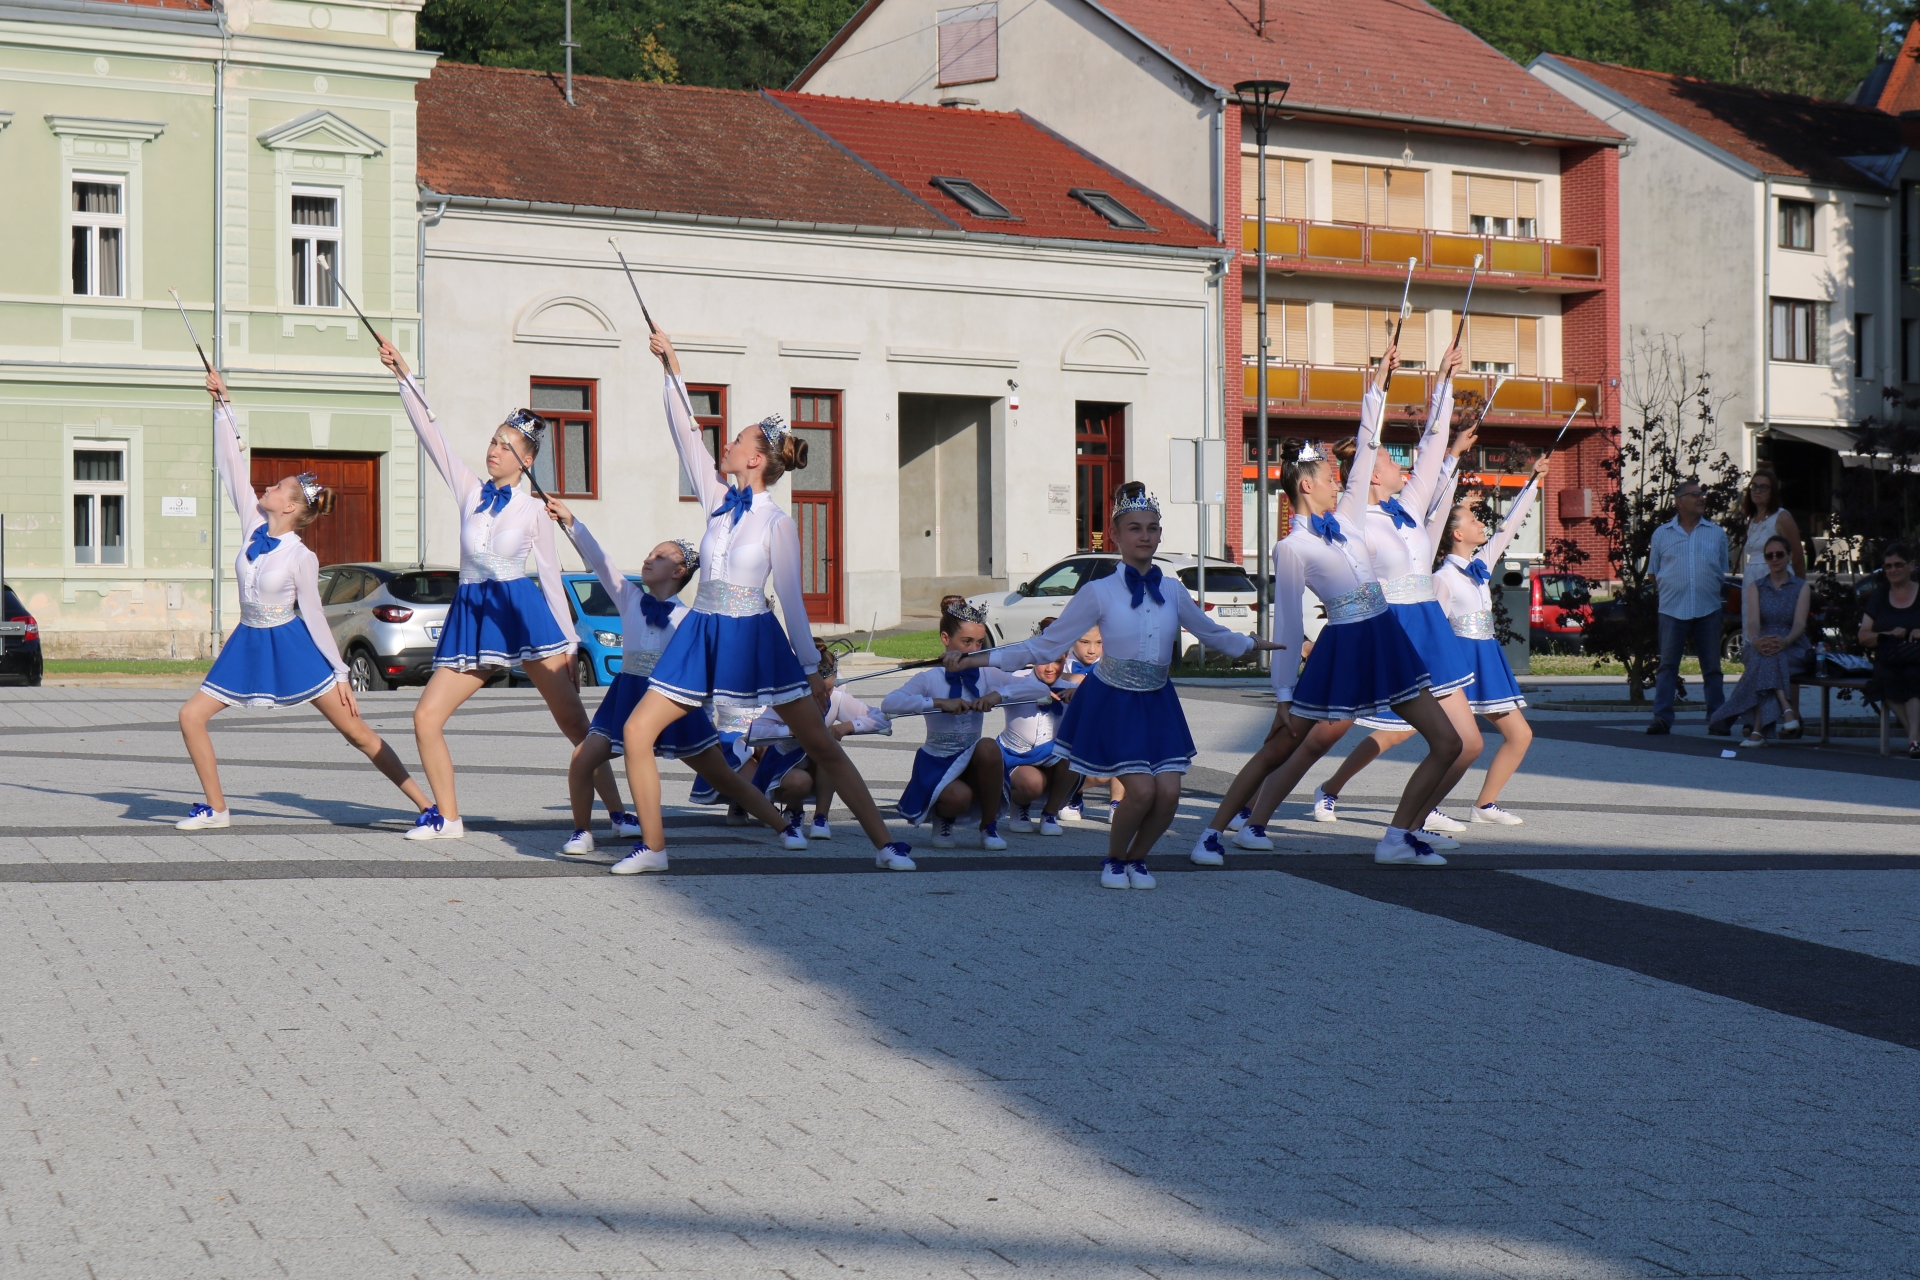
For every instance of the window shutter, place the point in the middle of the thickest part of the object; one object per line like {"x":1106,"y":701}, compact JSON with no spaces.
{"x":1529,"y":363}
{"x":969,"y":44}
{"x":1406,"y":198}
{"x":1250,"y":186}
{"x":1460,"y":207}
{"x":1376,"y":195}
{"x":1491,"y":197}
{"x":1413,"y":339}
{"x":1349,"y":335}
{"x":1296,"y":333}
{"x":1286,"y":187}
{"x":1250,"y":328}
{"x":1295,"y":205}
{"x":1492,"y":338}
{"x":1349,"y":192}
{"x":1527,"y":197}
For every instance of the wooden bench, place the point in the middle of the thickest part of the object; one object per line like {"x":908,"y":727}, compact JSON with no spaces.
{"x":1826,"y":685}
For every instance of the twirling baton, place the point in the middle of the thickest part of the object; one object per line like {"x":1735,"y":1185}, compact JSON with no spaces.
{"x":190,"y":333}
{"x":1468,"y":304}
{"x":405,"y":377}
{"x":648,"y":315}
{"x":1405,"y":290}
{"x":1578,"y":405}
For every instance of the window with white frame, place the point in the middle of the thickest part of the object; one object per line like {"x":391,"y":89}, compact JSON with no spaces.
{"x":99,"y":235}
{"x":99,"y":502}
{"x":316,"y":246}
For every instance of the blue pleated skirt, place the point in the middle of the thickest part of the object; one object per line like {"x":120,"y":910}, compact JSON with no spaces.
{"x":269,"y":667}
{"x":688,"y":736}
{"x":775,"y":765}
{"x":496,"y":624}
{"x":1448,"y":663}
{"x":743,"y":660}
{"x":1493,"y":689}
{"x":931,"y":775}
{"x":738,"y":752}
{"x":1359,"y":669}
{"x":1109,"y":732}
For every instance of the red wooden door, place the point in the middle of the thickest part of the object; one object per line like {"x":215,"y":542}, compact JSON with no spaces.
{"x":352,"y":533}
{"x":816,"y":503}
{"x":1100,"y":464}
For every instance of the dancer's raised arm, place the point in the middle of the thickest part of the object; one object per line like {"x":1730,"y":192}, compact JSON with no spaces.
{"x":1366,"y":442}
{"x":1081,"y":615}
{"x":459,"y":478}
{"x":688,"y":441}
{"x":1516,"y":514}
{"x":230,"y":455}
{"x":619,"y":587}
{"x":1429,"y":458}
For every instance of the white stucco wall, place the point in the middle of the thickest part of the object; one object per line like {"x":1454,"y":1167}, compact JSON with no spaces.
{"x":766,"y":312}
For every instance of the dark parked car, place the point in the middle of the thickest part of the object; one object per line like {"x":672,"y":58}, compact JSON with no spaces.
{"x":19,"y":641}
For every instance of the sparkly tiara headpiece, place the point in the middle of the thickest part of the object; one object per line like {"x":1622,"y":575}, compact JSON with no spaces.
{"x":1140,"y":500}
{"x":967,"y":612}
{"x":1310,"y":452}
{"x":527,"y":423}
{"x":689,"y":552}
{"x":774,"y":427}
{"x":310,"y":486}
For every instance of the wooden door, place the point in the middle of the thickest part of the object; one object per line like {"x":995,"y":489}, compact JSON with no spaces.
{"x":1100,"y":464}
{"x":352,"y":533}
{"x":816,"y":504}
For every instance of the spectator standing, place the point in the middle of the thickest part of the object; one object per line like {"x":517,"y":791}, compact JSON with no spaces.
{"x":1687,"y":560}
{"x":1890,"y":626}
{"x":1767,"y":519}
{"x":1774,"y":611}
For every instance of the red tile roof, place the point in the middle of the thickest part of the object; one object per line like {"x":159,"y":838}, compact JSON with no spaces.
{"x":1778,"y":133}
{"x":508,"y":134}
{"x":1902,"y":89}
{"x":1022,"y":165}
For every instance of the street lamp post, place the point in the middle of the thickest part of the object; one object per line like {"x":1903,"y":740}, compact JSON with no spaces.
{"x":1264,"y":96}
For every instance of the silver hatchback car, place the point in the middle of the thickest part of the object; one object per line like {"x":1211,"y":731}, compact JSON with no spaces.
{"x":386,"y":618}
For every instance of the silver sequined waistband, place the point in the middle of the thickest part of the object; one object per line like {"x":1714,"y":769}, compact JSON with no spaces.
{"x":1131,"y":674}
{"x":730,"y":599}
{"x":951,"y":743}
{"x":639,"y":662}
{"x":482,"y":566}
{"x":1363,"y":602}
{"x":1477,"y":625}
{"x":731,"y":717}
{"x":1409,"y":588}
{"x":254,"y":614}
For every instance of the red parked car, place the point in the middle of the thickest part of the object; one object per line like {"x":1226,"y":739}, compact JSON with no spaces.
{"x":1559,"y":613}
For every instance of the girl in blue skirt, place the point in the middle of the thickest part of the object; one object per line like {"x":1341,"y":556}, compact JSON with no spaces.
{"x":1125,"y":720}
{"x":282,"y":653}
{"x":1362,"y":664}
{"x":647,"y":620}
{"x":1462,"y":583}
{"x":1029,"y":755}
{"x":497,"y":617}
{"x":730,"y":648}
{"x":785,"y":773}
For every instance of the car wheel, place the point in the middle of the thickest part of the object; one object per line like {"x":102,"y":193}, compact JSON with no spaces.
{"x":589,"y":677}
{"x":363,"y":672}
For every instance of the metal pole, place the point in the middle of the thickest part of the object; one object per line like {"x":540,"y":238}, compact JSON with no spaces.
{"x":570,"y":46}
{"x":1262,"y":92}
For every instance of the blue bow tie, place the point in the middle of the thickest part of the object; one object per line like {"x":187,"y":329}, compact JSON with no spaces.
{"x":656,"y":611}
{"x":964,"y":684}
{"x":1477,"y":570}
{"x":739,"y":501}
{"x":1401,"y":520}
{"x":494,"y":497}
{"x":1327,"y":527}
{"x":260,"y":543}
{"x":1142,"y":585}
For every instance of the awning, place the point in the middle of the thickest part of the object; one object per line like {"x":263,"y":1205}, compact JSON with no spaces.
{"x":1826,"y":437}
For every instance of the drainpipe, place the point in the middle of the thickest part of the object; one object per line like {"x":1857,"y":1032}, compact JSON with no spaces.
{"x":219,"y":280}
{"x":1766,"y":321}
{"x":423,"y":221}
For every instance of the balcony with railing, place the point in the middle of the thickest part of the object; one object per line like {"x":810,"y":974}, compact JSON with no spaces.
{"x":1443,"y":257}
{"x":1300,"y":390}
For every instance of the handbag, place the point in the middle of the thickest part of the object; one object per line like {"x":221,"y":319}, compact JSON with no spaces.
{"x":1900,"y":653}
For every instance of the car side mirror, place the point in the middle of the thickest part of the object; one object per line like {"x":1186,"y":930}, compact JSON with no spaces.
{"x":1024,"y":589}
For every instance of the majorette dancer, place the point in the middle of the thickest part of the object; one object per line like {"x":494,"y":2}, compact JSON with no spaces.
{"x":1125,"y":720}
{"x":1362,"y":664}
{"x":957,"y":772}
{"x":282,"y":654}
{"x":497,"y":617}
{"x":1400,"y":507}
{"x":1028,"y":753}
{"x":730,"y":648}
{"x":785,"y":773}
{"x":648,"y":616}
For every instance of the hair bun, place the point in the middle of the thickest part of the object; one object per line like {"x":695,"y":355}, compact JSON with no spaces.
{"x":793,"y":453}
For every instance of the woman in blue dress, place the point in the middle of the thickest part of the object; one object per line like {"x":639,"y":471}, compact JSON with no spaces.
{"x":282,"y":653}
{"x":730,"y":648}
{"x":497,"y":617}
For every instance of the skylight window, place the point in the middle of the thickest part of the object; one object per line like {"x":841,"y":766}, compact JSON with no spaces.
{"x":974,"y":200}
{"x":1110,"y":209}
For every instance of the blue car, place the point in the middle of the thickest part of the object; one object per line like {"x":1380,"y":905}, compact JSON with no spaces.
{"x":596,"y":621}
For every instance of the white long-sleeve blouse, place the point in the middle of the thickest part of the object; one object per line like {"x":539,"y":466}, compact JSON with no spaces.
{"x":1031,"y":724}
{"x":283,"y":581}
{"x":1469,"y":604}
{"x":1340,"y":573}
{"x":1146,"y":634}
{"x":493,"y":548}
{"x":641,"y":643}
{"x":1428,"y":478}
{"x":947,"y":732}
{"x":741,"y":557}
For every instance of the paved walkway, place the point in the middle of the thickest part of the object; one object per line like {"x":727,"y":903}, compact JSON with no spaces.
{"x":1669,"y":1027}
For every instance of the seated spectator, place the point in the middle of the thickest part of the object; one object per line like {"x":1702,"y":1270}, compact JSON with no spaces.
{"x":1775,"y":624}
{"x":1890,"y":626}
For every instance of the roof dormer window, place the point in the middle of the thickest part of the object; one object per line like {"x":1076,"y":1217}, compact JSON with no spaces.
{"x":1112,"y":210}
{"x":974,"y":200}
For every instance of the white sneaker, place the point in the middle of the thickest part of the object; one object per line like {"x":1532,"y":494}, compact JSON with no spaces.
{"x":1253,"y":836}
{"x":626,"y":826}
{"x":894,"y":857}
{"x":792,"y":837}
{"x":1071,"y":813}
{"x":641,"y":859}
{"x":943,"y":835}
{"x":1438,"y":821}
{"x":990,"y":837}
{"x":1754,"y":739}
{"x":1138,"y":877}
{"x":1403,"y":848}
{"x":1207,"y":851}
{"x":819,"y":830}
{"x":204,"y":817}
{"x":1495,"y":814}
{"x":1323,"y":806}
{"x":1438,"y":840}
{"x":1113,"y":875}
{"x":1050,"y":825}
{"x":579,"y":846}
{"x":1021,"y":820}
{"x":1239,"y":820}
{"x":431,"y":826}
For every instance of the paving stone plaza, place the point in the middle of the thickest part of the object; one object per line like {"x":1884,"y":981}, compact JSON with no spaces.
{"x":1666,"y":1028}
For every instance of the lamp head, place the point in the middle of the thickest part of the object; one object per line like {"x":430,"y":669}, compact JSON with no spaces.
{"x":1263,"y":92}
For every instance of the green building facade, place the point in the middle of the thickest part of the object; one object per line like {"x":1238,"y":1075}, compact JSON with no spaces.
{"x":233,"y":154}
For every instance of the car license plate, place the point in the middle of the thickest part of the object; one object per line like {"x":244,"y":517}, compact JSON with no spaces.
{"x":1233,"y":611}
{"x":433,"y":633}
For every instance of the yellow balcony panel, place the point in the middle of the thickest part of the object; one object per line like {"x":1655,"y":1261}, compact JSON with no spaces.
{"x":1395,"y":247}
{"x":1568,"y":394}
{"x":1283,"y":382}
{"x":1521,"y":395}
{"x":1336,"y":386}
{"x":1525,"y":257}
{"x":1574,"y":260}
{"x":1282,"y":237}
{"x":1343,"y":243}
{"x":1408,"y":389}
{"x":1456,"y":251}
